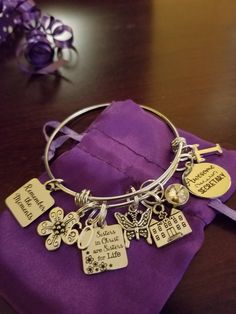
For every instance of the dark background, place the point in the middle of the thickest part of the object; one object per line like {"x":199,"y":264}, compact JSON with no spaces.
{"x":178,"y":56}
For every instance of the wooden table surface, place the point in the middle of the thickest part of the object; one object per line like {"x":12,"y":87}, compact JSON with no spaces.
{"x":176,"y":56}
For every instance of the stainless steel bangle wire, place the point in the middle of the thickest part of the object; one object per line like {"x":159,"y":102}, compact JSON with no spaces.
{"x":163,"y":179}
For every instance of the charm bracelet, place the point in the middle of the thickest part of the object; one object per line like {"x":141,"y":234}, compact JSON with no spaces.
{"x":153,"y":209}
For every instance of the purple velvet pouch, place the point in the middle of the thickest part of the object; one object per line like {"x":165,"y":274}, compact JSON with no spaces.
{"x":124,"y":146}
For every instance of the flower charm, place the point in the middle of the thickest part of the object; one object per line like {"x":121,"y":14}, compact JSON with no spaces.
{"x":59,"y":228}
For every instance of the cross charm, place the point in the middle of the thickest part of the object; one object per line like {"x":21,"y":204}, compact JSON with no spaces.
{"x":197,"y":153}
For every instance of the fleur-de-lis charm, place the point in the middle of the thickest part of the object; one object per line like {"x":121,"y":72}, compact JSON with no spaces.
{"x":135,"y":224}
{"x":59,"y":228}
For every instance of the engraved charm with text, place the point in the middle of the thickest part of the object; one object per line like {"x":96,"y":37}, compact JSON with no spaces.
{"x":106,"y":250}
{"x":207,"y":180}
{"x":29,"y":202}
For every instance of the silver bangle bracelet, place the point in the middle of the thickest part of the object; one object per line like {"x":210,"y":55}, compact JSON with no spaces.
{"x":142,"y":192}
{"x":152,"y":210}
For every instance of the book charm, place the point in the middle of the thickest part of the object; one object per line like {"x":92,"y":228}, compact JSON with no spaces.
{"x":135,"y":224}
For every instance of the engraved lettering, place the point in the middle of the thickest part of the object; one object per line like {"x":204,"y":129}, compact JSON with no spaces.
{"x":109,"y":240}
{"x":103,"y":233}
{"x":101,"y":258}
{"x":207,"y":180}
{"x":112,"y":247}
{"x":113,"y":254}
{"x":96,"y":251}
{"x":21,"y":205}
{"x":200,"y":175}
{"x":28,"y":201}
{"x":28,"y":189}
{"x":211,"y":183}
{"x":106,"y":251}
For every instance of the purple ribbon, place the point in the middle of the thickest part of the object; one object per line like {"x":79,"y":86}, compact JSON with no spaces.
{"x":45,"y":37}
{"x":59,"y":141}
{"x":222,"y":208}
{"x":42,"y":51}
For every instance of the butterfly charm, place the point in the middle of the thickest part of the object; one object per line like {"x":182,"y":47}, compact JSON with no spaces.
{"x":135,"y":224}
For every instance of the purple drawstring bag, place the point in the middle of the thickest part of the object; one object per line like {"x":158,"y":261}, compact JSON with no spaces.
{"x":124,"y":146}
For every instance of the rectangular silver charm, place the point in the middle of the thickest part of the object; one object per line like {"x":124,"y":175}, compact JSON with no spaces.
{"x":106,"y":252}
{"x":29,"y":202}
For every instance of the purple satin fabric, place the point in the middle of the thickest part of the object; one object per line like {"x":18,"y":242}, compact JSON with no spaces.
{"x":124,"y":146}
